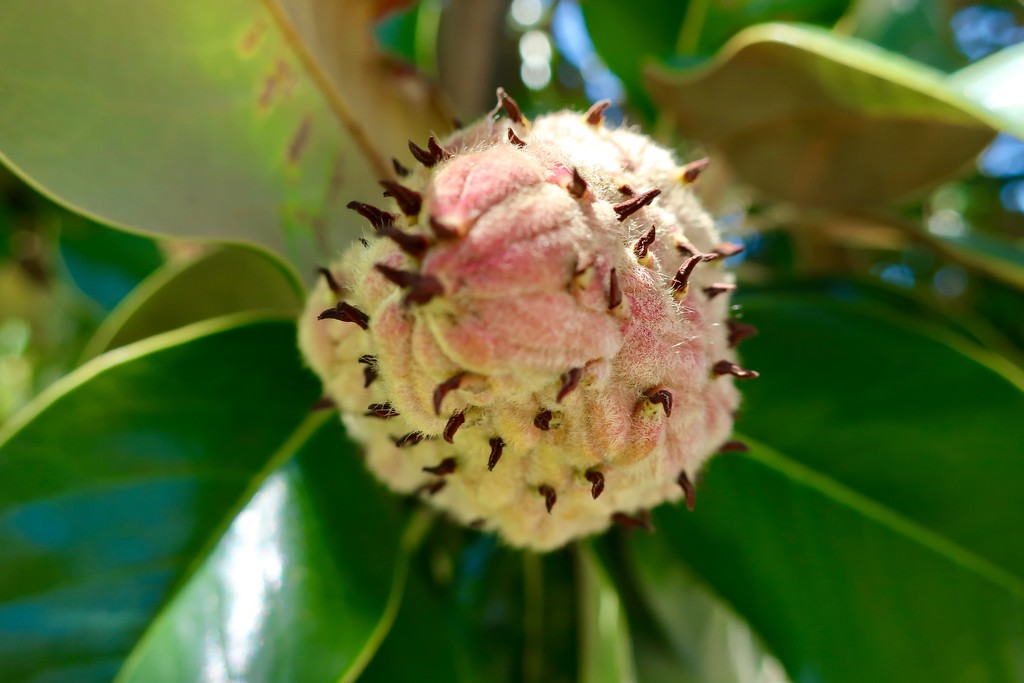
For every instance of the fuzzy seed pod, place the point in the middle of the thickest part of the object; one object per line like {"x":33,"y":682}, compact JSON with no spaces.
{"x":537,"y":337}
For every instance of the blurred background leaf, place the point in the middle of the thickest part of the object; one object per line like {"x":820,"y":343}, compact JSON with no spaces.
{"x":806,"y":115}
{"x":249,"y":134}
{"x":229,"y":279}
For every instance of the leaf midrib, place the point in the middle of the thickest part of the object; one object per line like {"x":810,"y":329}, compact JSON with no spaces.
{"x":885,"y":516}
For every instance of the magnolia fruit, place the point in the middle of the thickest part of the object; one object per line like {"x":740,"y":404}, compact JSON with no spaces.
{"x":537,"y":339}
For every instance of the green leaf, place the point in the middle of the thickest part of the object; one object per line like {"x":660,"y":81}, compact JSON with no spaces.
{"x":104,"y":263}
{"x":878,"y":540}
{"x":841,"y":587}
{"x":991,"y":255}
{"x":230,"y":279}
{"x":238,"y":120}
{"x":606,"y":655}
{"x":918,"y":30}
{"x":707,"y":641}
{"x":925,"y":424}
{"x":690,"y":30}
{"x":167,"y":506}
{"x":994,"y":83}
{"x":806,"y":115}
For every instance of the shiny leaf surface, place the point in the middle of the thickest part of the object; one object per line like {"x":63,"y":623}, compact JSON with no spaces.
{"x":996,"y":84}
{"x":606,"y":654}
{"x":925,"y":427}
{"x":226,"y":280}
{"x":841,"y":587}
{"x":810,"y":116}
{"x":266,"y":113}
{"x":157,"y":475}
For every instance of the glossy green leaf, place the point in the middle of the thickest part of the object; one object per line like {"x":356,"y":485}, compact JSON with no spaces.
{"x":810,"y":116}
{"x":918,"y":30}
{"x":105,"y":264}
{"x":237,"y":120}
{"x":887,"y":509}
{"x":925,"y":425}
{"x":167,"y":485}
{"x":687,"y":30}
{"x":706,"y":640}
{"x":230,"y":279}
{"x":841,"y":587}
{"x":606,"y":654}
{"x":993,"y":256}
{"x":995,"y":83}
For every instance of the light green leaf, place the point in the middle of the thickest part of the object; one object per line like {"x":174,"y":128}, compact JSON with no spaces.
{"x":606,"y":655}
{"x":707,"y":641}
{"x":235,"y":120}
{"x":995,"y":84}
{"x":230,"y":279}
{"x":168,"y":506}
{"x":810,"y":116}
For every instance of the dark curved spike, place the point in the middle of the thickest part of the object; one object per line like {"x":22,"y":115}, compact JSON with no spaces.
{"x":643,"y":244}
{"x":423,"y":156}
{"x":515,"y":139}
{"x":452,"y":426}
{"x":595,"y":115}
{"x":719,"y":288}
{"x":324,"y":403}
{"x":410,"y":439}
{"x":442,"y":390}
{"x":431,"y":488}
{"x":628,"y":207}
{"x":346,"y":313}
{"x":691,"y":171}
{"x":733,"y":446}
{"x":727,"y":367}
{"x":570,"y":381}
{"x":686,"y":248}
{"x":510,"y":106}
{"x":384,"y":411}
{"x":421,"y":288}
{"x":409,"y":201}
{"x":378,"y":218}
{"x":626,"y":190}
{"x":681,"y":282}
{"x":439,"y":152}
{"x":328,"y":276}
{"x":400,"y":171}
{"x":543,"y":420}
{"x":370,"y":371}
{"x":738,"y":331}
{"x":642,"y":520}
{"x":597,"y":481}
{"x":727,"y":249}
{"x":446,"y":466}
{"x":577,"y":186}
{"x":689,"y":490}
{"x":614,"y":292}
{"x":413,"y":245}
{"x":550,"y":496}
{"x":443,"y":232}
{"x":662,"y":397}
{"x":497,"y":447}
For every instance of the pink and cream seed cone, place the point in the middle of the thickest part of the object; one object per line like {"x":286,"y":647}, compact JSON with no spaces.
{"x":537,"y":339}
